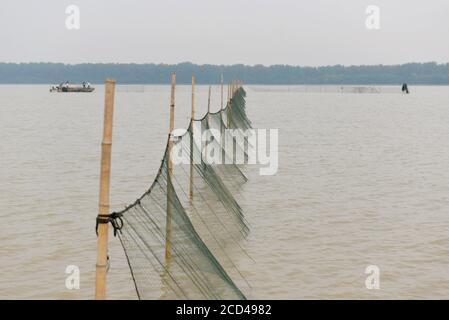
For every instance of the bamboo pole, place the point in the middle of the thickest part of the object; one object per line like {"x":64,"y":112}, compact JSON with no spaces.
{"x":105,"y":173}
{"x":221,"y":91}
{"x":222,"y":136}
{"x":168,"y":227}
{"x":208,"y":101}
{"x":229,"y":105}
{"x":192,"y":123}
{"x":208,"y":117}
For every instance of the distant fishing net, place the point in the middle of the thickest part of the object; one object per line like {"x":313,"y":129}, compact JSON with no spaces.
{"x":183,"y":235}
{"x":330,"y":89}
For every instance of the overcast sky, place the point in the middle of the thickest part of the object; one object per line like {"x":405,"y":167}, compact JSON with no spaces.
{"x":312,"y":32}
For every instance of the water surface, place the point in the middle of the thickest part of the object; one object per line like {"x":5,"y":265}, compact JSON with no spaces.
{"x":362,"y":180}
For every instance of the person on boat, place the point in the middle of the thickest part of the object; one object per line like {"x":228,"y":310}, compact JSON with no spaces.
{"x":65,"y":86}
{"x":84,"y":84}
{"x":88,"y":84}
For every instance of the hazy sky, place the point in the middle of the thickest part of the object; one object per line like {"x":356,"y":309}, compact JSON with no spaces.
{"x":312,"y":32}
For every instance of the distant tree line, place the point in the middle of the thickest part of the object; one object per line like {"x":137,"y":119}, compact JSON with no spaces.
{"x":53,"y":73}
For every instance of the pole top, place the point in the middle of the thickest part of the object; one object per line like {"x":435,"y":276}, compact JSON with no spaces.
{"x":110,"y":81}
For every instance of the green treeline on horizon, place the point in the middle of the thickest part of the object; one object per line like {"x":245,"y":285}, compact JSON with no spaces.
{"x":429,"y":73}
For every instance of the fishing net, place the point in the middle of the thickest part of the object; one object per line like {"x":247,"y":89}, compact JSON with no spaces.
{"x":183,"y":235}
{"x":330,"y":89}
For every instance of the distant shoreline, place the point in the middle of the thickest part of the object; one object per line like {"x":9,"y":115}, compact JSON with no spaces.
{"x":429,"y":73}
{"x":247,"y":84}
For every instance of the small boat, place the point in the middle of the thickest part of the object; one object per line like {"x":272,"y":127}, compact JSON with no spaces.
{"x":65,"y":87}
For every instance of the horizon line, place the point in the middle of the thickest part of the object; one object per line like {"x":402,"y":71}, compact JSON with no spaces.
{"x":226,"y":65}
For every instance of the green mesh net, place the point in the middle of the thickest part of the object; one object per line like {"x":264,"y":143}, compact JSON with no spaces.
{"x":181,"y":237}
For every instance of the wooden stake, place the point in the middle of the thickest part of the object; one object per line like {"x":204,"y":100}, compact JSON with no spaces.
{"x":208,"y":101}
{"x":208,"y":117}
{"x":193,"y":97}
{"x":168,"y":227}
{"x":222,"y":137}
{"x":192,"y":123}
{"x":221,"y":91}
{"x":229,"y":105}
{"x":105,"y":173}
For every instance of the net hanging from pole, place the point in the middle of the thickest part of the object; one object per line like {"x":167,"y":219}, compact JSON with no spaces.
{"x":184,"y":235}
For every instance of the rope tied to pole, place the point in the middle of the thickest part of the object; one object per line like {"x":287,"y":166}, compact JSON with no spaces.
{"x":114,"y":218}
